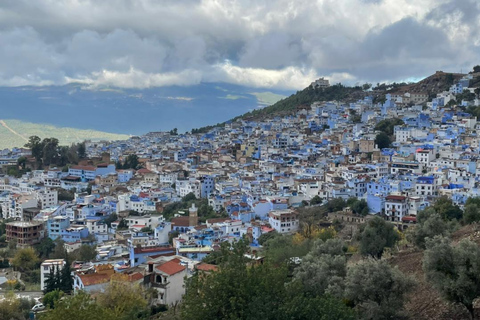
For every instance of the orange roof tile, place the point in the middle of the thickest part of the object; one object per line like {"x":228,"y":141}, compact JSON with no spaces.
{"x":171,"y":267}
{"x":135,"y":277}
{"x":94,"y":278}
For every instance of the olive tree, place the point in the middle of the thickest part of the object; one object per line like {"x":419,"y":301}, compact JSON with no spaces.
{"x":453,"y":270}
{"x":376,"y":289}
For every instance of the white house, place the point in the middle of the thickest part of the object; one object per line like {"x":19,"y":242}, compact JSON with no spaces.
{"x":284,"y":221}
{"x":45,"y":268}
{"x":168,"y":279}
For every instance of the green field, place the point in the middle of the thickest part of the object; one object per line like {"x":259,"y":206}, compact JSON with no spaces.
{"x":66,"y":136}
{"x":267,"y":98}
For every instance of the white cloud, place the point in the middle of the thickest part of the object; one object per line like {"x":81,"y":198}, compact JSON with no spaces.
{"x":138,"y":79}
{"x":281,"y":44}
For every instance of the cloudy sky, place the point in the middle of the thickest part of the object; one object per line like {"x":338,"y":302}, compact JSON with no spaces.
{"x":268,"y":44}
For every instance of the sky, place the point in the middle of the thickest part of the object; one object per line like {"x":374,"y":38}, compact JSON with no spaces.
{"x":263,"y":44}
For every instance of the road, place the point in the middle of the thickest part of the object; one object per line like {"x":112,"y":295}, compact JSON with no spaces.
{"x":24,"y":294}
{"x":12,"y":131}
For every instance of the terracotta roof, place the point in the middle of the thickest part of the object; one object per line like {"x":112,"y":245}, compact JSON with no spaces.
{"x":94,"y":278}
{"x":392,"y":197}
{"x":135,"y":277}
{"x":181,"y":221}
{"x":171,"y":267}
{"x":143,"y":171}
{"x":153,"y":249}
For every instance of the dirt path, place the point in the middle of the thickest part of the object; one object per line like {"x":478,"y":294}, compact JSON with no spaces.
{"x":12,"y":131}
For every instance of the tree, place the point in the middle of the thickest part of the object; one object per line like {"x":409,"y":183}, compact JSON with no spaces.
{"x":131,"y":162}
{"x":10,"y":308}
{"x":315,"y":200}
{"x":65,"y":280}
{"x":45,"y":247}
{"x":376,"y":235}
{"x":25,"y":259}
{"x":279,"y":250}
{"x":81,"y":150}
{"x":34,"y":143}
{"x":358,"y":206}
{"x":429,"y":224}
{"x":382,"y":140}
{"x":449,"y":79}
{"x":327,"y":233}
{"x":323,"y":269}
{"x":79,"y":307}
{"x":59,"y":251}
{"x":264,"y":237}
{"x":110,"y":218}
{"x":239,"y":291}
{"x":477,"y":91}
{"x":376,"y":289}
{"x":336,"y":204}
{"x":21,"y":162}
{"x":50,"y":282}
{"x":476,"y":69}
{"x":122,"y":225}
{"x":50,"y":154}
{"x":445,"y":207}
{"x":387,"y":126}
{"x":471,"y":213}
{"x":454,"y":270}
{"x":86,"y":253}
{"x":125,"y":300}
{"x":189,"y":197}
{"x":65,"y":195}
{"x":51,"y":298}
{"x":366,"y":86}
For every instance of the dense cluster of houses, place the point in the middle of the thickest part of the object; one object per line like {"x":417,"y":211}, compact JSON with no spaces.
{"x":256,"y":173}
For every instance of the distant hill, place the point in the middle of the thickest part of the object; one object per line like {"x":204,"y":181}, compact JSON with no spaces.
{"x":290,"y":104}
{"x":15,"y":133}
{"x":436,"y":83}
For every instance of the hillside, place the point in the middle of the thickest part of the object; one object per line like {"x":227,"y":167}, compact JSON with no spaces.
{"x":15,"y":133}
{"x":424,"y":302}
{"x":306,"y":96}
{"x":289,"y":105}
{"x":432,"y":85}
{"x":438,"y":82}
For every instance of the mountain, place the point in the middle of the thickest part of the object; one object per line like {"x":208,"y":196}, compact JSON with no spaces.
{"x":436,"y":83}
{"x":132,"y":111}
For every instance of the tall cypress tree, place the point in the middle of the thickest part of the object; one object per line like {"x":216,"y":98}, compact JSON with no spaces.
{"x":66,"y":281}
{"x":58,"y":278}
{"x":50,"y":282}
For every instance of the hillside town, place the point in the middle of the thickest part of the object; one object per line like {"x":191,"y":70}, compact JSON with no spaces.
{"x":155,"y":221}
